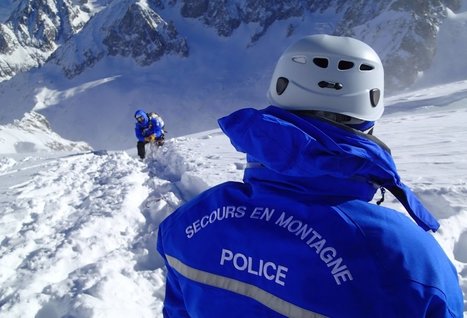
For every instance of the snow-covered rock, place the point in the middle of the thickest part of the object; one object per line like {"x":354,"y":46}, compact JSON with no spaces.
{"x":34,"y":29}
{"x":126,"y":28}
{"x":33,"y":134}
{"x":403,"y":32}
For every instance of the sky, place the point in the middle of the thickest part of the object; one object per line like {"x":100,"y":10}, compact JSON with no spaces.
{"x":78,"y":228}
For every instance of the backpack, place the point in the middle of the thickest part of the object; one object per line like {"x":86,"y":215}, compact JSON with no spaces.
{"x":158,"y":118}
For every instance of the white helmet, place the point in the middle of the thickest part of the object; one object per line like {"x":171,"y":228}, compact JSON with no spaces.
{"x":328,"y":73}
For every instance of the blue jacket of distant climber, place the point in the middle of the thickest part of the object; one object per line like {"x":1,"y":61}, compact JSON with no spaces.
{"x":299,"y":238}
{"x":150,"y":125}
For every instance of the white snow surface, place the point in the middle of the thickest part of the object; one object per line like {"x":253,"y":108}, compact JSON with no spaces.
{"x":33,"y":134}
{"x":78,"y":229}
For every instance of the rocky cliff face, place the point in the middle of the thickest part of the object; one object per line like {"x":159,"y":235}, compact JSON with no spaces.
{"x":143,"y":35}
{"x":403,"y":32}
{"x":63,"y":31}
{"x":126,"y":28}
{"x":34,"y":30}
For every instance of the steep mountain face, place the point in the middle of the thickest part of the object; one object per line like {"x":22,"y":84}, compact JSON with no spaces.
{"x":143,"y":35}
{"x":404,"y":33}
{"x":34,"y":30}
{"x":126,"y":28}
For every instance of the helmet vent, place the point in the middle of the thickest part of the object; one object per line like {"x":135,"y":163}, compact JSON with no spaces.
{"x":325,"y":84}
{"x":375,"y":95}
{"x":366,"y":67}
{"x":281,"y":85}
{"x":345,"y":65}
{"x":299,"y":59}
{"x":321,"y":62}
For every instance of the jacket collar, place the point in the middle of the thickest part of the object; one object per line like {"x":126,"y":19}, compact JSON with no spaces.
{"x":300,"y":152}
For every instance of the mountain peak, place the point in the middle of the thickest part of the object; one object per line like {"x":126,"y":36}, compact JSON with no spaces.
{"x":79,"y":35}
{"x":34,"y":29}
{"x":128,"y":28}
{"x":143,"y":35}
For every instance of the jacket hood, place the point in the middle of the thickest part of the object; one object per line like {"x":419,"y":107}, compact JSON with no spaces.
{"x":143,"y":114}
{"x":301,"y":147}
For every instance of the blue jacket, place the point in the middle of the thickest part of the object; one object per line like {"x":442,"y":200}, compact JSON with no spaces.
{"x":151,"y":126}
{"x":298,"y":237}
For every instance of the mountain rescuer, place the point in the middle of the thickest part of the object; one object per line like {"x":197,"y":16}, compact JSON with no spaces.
{"x":149,"y":127}
{"x":300,"y":236}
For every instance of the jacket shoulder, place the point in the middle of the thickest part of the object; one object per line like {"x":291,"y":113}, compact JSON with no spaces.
{"x":400,"y":247}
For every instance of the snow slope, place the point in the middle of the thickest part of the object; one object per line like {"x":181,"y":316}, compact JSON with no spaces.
{"x":33,"y":134}
{"x":78,"y":229}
